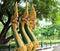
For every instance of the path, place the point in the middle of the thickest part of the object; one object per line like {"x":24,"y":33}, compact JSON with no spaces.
{"x":53,"y":48}
{"x":57,"y":48}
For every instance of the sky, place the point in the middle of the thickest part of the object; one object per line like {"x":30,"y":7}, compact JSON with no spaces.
{"x":44,"y":22}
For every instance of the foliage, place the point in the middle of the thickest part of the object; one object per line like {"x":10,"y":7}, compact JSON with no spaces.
{"x":49,"y":31}
{"x":46,"y":9}
{"x":1,"y":26}
{"x":36,"y":31}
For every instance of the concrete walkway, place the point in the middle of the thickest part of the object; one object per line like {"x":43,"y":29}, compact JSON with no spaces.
{"x":48,"y":49}
{"x":53,"y":48}
{"x":57,"y":48}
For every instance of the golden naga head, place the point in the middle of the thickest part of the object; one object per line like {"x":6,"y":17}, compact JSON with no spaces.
{"x":25,"y":14}
{"x":15,"y":16}
{"x":32,"y":17}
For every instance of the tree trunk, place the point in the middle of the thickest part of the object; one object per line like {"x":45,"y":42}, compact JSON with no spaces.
{"x":5,"y":30}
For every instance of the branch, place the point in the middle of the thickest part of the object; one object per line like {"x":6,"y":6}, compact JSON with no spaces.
{"x":6,"y":26}
{"x":1,"y":15}
{"x":6,"y":31}
{"x":2,"y":22}
{"x":7,"y":40}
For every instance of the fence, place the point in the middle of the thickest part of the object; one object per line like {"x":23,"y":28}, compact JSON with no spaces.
{"x":45,"y":44}
{"x":42,"y":45}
